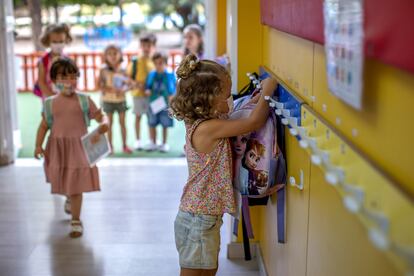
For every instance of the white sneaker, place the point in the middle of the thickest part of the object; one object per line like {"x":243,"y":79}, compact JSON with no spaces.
{"x":165,"y":148}
{"x":138,"y":145}
{"x":151,"y":147}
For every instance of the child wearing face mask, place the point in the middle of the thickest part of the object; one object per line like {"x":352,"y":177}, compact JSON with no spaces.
{"x":113,"y":83}
{"x":55,"y":37}
{"x":203,"y":101}
{"x":65,"y":116}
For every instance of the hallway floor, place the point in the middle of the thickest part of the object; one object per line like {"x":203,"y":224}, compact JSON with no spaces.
{"x":128,"y":226}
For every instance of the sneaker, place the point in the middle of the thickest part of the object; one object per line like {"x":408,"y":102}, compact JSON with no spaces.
{"x":67,"y":207}
{"x":138,"y":145}
{"x":165,"y":148}
{"x":127,"y":150}
{"x":151,"y":147}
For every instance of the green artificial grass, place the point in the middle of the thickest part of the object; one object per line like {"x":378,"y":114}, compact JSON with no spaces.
{"x":29,"y":112}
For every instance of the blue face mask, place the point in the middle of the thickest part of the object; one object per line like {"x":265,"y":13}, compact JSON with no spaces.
{"x":66,"y":89}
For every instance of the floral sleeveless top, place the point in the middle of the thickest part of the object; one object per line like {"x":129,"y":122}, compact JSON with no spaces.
{"x":209,"y":189}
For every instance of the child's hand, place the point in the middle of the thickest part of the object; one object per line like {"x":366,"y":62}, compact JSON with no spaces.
{"x":147,"y":92}
{"x":95,"y":139}
{"x":255,"y":98}
{"x":39,"y":153}
{"x":103,"y":128}
{"x":269,"y":86}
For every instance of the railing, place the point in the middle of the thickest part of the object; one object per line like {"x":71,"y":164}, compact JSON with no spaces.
{"x":89,"y":64}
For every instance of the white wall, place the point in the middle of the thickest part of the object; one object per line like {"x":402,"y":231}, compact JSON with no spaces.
{"x":232,"y":40}
{"x":210,"y":33}
{"x":9,"y":133}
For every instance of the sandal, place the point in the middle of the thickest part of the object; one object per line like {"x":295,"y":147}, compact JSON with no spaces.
{"x":67,"y":206}
{"x":76,"y":229}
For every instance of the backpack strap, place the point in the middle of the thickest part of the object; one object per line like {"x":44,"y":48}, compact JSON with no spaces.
{"x":134,"y":68}
{"x":47,"y":111}
{"x":84,"y":103}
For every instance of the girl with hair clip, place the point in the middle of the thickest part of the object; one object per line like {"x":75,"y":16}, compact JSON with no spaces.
{"x":203,"y":101}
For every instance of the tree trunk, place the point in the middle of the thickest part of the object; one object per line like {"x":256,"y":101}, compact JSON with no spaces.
{"x":36,"y":15}
{"x":121,"y":12}
{"x":56,"y":9}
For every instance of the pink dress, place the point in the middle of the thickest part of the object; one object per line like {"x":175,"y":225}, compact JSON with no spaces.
{"x":66,"y":166}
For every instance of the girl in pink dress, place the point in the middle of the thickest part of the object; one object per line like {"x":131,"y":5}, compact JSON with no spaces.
{"x":66,"y":165}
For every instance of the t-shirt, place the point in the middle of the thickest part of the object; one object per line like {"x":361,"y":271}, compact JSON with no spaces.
{"x":161,"y":84}
{"x":108,"y":78}
{"x":144,"y":67}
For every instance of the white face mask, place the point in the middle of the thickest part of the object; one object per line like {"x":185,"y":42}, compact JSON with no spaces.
{"x":57,"y":48}
{"x":230,"y":104}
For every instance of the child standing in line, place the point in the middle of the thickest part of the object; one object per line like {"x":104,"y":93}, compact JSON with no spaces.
{"x":113,"y":84}
{"x":160,"y":87}
{"x":65,"y":115}
{"x":55,"y":37}
{"x":138,"y":70}
{"x":203,"y":101}
{"x":193,"y":40}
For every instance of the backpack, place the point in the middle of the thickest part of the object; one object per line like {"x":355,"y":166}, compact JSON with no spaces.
{"x":45,"y":61}
{"x":134,"y":70}
{"x":83,"y":101}
{"x":259,"y":171}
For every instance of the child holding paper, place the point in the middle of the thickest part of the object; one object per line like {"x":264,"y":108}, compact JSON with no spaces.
{"x":113,"y":83}
{"x":160,"y":88}
{"x":67,"y":116}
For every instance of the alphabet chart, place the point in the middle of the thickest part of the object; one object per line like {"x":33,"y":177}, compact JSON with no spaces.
{"x":344,"y":49}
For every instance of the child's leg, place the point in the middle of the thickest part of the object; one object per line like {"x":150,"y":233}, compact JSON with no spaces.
{"x":76,"y":206}
{"x":138,"y":126}
{"x":110,"y":121}
{"x":164,"y":135}
{"x":123,"y":128}
{"x":153,"y":134}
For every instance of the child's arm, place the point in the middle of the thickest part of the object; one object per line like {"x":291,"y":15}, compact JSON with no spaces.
{"x":46,"y":91}
{"x":40,"y":137}
{"x":206,"y":135}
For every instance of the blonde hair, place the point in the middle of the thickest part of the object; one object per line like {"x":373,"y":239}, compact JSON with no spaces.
{"x":199,"y":83}
{"x":55,"y":28}
{"x":255,"y":145}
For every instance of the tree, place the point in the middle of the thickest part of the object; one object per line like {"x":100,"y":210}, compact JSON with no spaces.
{"x":186,"y":9}
{"x":36,"y":15}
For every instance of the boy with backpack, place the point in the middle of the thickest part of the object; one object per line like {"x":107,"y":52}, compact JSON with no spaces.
{"x":138,"y":70}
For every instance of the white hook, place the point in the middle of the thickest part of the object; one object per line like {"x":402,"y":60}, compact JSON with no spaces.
{"x":292,"y":181}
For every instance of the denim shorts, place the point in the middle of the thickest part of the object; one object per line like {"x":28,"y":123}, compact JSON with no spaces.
{"x":162,"y":118}
{"x":197,"y":238}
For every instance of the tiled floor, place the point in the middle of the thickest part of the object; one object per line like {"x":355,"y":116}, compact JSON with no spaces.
{"x":128,"y":226}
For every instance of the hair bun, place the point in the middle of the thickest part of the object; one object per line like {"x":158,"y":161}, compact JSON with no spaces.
{"x":187,"y":66}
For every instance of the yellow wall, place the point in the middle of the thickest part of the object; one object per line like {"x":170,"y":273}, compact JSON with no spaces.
{"x":249,"y":39}
{"x":319,"y":228}
{"x":221,"y":27}
{"x":323,"y":237}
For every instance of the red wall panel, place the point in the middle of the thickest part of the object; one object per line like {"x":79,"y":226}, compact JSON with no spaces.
{"x":389,"y":26}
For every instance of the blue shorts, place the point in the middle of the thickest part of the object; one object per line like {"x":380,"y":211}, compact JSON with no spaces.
{"x":197,"y":238}
{"x":161,"y":118}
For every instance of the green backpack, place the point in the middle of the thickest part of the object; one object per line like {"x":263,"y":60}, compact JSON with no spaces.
{"x":83,"y":101}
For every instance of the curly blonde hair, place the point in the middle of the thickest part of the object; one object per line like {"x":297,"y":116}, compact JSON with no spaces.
{"x":199,"y":83}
